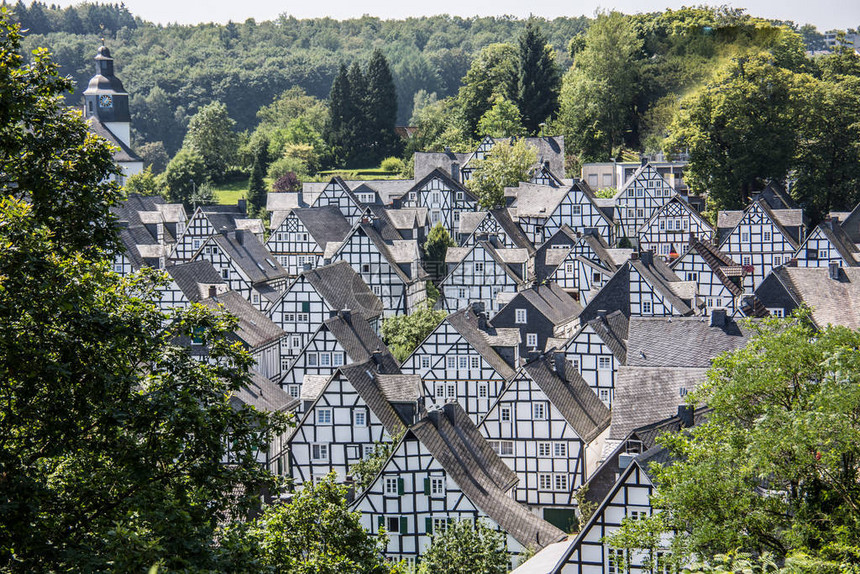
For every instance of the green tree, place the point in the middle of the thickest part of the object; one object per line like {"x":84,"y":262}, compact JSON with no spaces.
{"x":403,"y":333}
{"x":465,"y":547}
{"x":144,"y":183}
{"x":365,"y":470}
{"x":256,"y":186}
{"x":774,"y":468}
{"x":315,"y":533}
{"x":381,"y":108}
{"x":506,"y":166}
{"x":112,"y":435}
{"x":184,"y":174}
{"x":211,"y":135}
{"x":740,"y":129}
{"x":493,"y":74}
{"x":501,"y":121}
{"x":538,"y":78}
{"x":435,"y":248}
{"x":154,"y":156}
{"x":597,"y":94}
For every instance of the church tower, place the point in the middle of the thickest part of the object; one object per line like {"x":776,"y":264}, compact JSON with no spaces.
{"x":106,"y":112}
{"x":106,"y":100}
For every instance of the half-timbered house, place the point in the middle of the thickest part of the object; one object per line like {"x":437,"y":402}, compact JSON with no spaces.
{"x":312,"y":298}
{"x":190,"y":283}
{"x":496,"y":223}
{"x":338,"y":194}
{"x":542,"y":210}
{"x":356,"y":408}
{"x":300,"y":236}
{"x":828,"y":242}
{"x":245,"y":265}
{"x":478,"y":274}
{"x":539,"y":312}
{"x":389,"y":264}
{"x":640,"y":198}
{"x":668,"y":231}
{"x":342,"y":339}
{"x":760,"y":238}
{"x":465,"y":359}
{"x":444,"y":198}
{"x":719,"y":280}
{"x":440,"y":471}
{"x":206,"y":221}
{"x":549,"y":427}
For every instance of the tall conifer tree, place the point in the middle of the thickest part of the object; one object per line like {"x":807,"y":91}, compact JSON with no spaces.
{"x":339,"y":114}
{"x":538,"y":79}
{"x":381,"y":107}
{"x":357,"y":150}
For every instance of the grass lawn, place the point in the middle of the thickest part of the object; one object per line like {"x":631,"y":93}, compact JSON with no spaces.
{"x":228,"y":193}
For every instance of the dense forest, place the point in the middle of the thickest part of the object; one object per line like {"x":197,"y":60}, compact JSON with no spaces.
{"x":613,"y":85}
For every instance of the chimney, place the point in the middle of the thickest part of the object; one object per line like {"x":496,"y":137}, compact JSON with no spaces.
{"x":833,"y":270}
{"x":634,"y":256}
{"x":718,"y":317}
{"x":455,"y":171}
{"x":685,"y":414}
{"x":558,"y":361}
{"x":647,"y":257}
{"x":643,"y":161}
{"x":212,"y":291}
{"x":243,"y":205}
{"x":532,"y":355}
{"x":240,"y":237}
{"x":332,"y":314}
{"x":349,"y":483}
{"x":377,"y":356}
{"x":477,"y":307}
{"x":345,"y":313}
{"x":546,"y":165}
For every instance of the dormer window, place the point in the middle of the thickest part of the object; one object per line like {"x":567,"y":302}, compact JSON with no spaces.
{"x":520,"y":316}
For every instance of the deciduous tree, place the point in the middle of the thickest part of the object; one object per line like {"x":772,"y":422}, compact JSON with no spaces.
{"x":210,"y":134}
{"x":506,"y":166}
{"x":403,"y":333}
{"x":465,"y":547}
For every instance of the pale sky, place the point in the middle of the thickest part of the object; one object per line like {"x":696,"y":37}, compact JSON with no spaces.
{"x":825,"y":14}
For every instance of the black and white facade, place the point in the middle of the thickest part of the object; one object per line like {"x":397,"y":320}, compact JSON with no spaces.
{"x":668,"y":231}
{"x":300,"y":237}
{"x":479,"y":273}
{"x":719,"y":280}
{"x":444,"y":198}
{"x":640,"y":198}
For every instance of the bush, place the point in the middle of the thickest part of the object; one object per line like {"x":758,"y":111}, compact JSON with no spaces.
{"x":281,"y":167}
{"x":392,"y":165}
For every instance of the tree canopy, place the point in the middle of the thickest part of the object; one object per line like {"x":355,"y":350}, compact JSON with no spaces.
{"x":538,"y":78}
{"x":466,"y":547}
{"x":506,"y":165}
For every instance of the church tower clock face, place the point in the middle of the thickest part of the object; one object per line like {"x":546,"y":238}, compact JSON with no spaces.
{"x":105,"y":101}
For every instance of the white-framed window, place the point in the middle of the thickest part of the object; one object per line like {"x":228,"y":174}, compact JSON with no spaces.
{"x":391,"y":485}
{"x":631,"y":213}
{"x":559,"y":450}
{"x":303,"y":317}
{"x":319,"y":451}
{"x":604,"y":395}
{"x":413,"y":196}
{"x":290,"y":318}
{"x":576,"y":210}
{"x":368,"y":450}
{"x":560,"y":482}
{"x":196,"y":244}
{"x":646,"y":307}
{"x":117,"y":267}
{"x":295,"y":342}
{"x":505,"y":414}
{"x":294,"y":390}
{"x":669,"y":225}
{"x":452,"y":362}
{"x":437,"y":486}
{"x":255,"y":298}
{"x":325,"y":359}
{"x":392,"y":524}
{"x":745,"y":236}
{"x":225,"y":273}
{"x":479,"y":266}
{"x":520,"y":316}
{"x":324,"y":416}
{"x":337,"y":359}
{"x":692,"y":276}
{"x":425,"y":361}
{"x":640,"y":212}
{"x":463,"y":362}
{"x":539,"y":411}
{"x":616,"y":559}
{"x":365,"y":267}
{"x":483,"y":390}
{"x":568,"y":268}
{"x":574,"y":362}
{"x":746,"y":260}
{"x":531,"y":340}
{"x":638,"y":514}
{"x":312,"y":359}
{"x":352,"y":452}
{"x":823,"y":254}
{"x":545,"y":481}
{"x":460,"y":196}
{"x":461,"y":293}
{"x":777,"y":260}
{"x":766,"y":235}
{"x":604,"y":363}
{"x":776,"y":312}
{"x":474,"y":362}
{"x":502,"y":447}
{"x":544,"y":449}
{"x":359,"y":418}
{"x":440,"y":524}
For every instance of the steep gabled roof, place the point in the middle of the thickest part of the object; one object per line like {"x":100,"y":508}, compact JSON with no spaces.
{"x":325,"y":224}
{"x":264,"y":395}
{"x":446,"y":180}
{"x":570,"y":394}
{"x":833,"y":301}
{"x":840,"y":240}
{"x":469,"y":325}
{"x":246,"y":252}
{"x":188,"y":277}
{"x":360,"y":342}
{"x":721,"y":264}
{"x":254,"y":328}
{"x":551,"y":301}
{"x":851,"y":224}
{"x":612,"y":330}
{"x":342,"y":288}
{"x":378,"y":391}
{"x":535,"y":200}
{"x":456,"y":444}
{"x":661,"y":277}
{"x":681,"y":341}
{"x":514,"y":232}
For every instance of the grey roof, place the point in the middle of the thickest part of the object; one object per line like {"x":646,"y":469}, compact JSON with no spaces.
{"x":469,"y":325}
{"x":284,"y":201}
{"x":681,"y":341}
{"x":644,"y":395}
{"x":189,"y":277}
{"x":534,"y":200}
{"x":552,"y":302}
{"x":721,"y":264}
{"x":469,"y":221}
{"x":851,"y":224}
{"x":399,"y":387}
{"x":254,"y":328}
{"x":312,"y":386}
{"x":727,"y":221}
{"x":342,"y":288}
{"x":833,"y":301}
{"x":548,"y":149}
{"x":514,"y":232}
{"x":456,"y":444}
{"x":124,"y":153}
{"x":360,"y":342}
{"x":386,"y":189}
{"x":135,"y":239}
{"x":663,"y":279}
{"x":426,"y":162}
{"x":570,"y":394}
{"x":840,"y":241}
{"x":246,"y":251}
{"x":612,"y":330}
{"x":324,"y":224}
{"x":375,"y":392}
{"x":447,"y":180}
{"x":128,"y":210}
{"x":264,"y":395}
